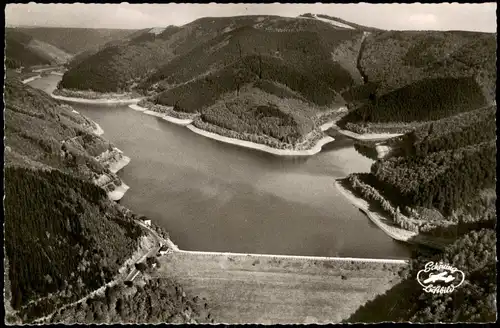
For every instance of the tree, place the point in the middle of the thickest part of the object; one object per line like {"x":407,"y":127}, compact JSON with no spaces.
{"x":239,"y":50}
{"x":260,"y":66}
{"x":111,"y":294}
{"x":141,"y":266}
{"x":150,"y":261}
{"x":119,"y":307}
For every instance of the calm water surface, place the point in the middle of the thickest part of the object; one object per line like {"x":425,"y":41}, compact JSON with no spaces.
{"x":212,"y":196}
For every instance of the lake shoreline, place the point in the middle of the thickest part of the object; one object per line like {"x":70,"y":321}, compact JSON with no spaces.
{"x":252,"y":145}
{"x":114,"y":166}
{"x":133,"y":104}
{"x":97,"y":130}
{"x":362,"y":204}
{"x":100,"y":101}
{"x":395,"y":232}
{"x":123,"y":188}
{"x":119,"y":192}
{"x":118,"y":165}
{"x":382,"y":151}
{"x":239,"y":142}
{"x":31,"y":79}
{"x":171,"y":119}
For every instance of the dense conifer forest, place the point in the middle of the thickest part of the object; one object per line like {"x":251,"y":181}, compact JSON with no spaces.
{"x":395,"y":59}
{"x":17,"y":52}
{"x":443,"y":180}
{"x":289,"y":49}
{"x":309,"y":86}
{"x":41,"y":129}
{"x":451,"y":133}
{"x":62,"y":236}
{"x":260,"y":119}
{"x":76,"y":40}
{"x":426,"y":100}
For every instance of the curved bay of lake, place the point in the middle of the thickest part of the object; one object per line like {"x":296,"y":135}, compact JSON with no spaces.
{"x":212,"y":196}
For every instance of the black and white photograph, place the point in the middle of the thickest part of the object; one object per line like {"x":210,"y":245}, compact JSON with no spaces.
{"x":249,"y":163}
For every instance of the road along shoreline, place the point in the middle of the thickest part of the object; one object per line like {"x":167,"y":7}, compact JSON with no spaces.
{"x":368,"y":136}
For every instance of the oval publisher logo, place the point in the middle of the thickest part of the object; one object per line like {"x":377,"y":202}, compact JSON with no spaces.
{"x":440,"y":278}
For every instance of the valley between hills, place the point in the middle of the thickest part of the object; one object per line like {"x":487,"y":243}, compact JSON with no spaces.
{"x":420,"y":104}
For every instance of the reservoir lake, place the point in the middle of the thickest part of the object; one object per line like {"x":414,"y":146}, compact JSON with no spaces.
{"x":212,"y":196}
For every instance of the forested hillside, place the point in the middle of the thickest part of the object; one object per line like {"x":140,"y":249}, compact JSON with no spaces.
{"x":75,"y":40}
{"x":383,"y":76}
{"x":265,"y":71}
{"x":38,"y":128}
{"x":159,"y":301}
{"x":394,"y":59}
{"x":283,"y":60}
{"x":64,"y":238}
{"x":299,"y":50}
{"x":257,"y":112}
{"x":442,"y":180}
{"x":441,"y":166}
{"x":425,"y":100}
{"x":96,"y":47}
{"x":209,"y":44}
{"x":439,"y":180}
{"x":118,"y":67}
{"x":115,"y":68}
{"x":415,"y":76}
{"x":269,"y":80}
{"x":18,"y":53}
{"x":450,"y":133}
